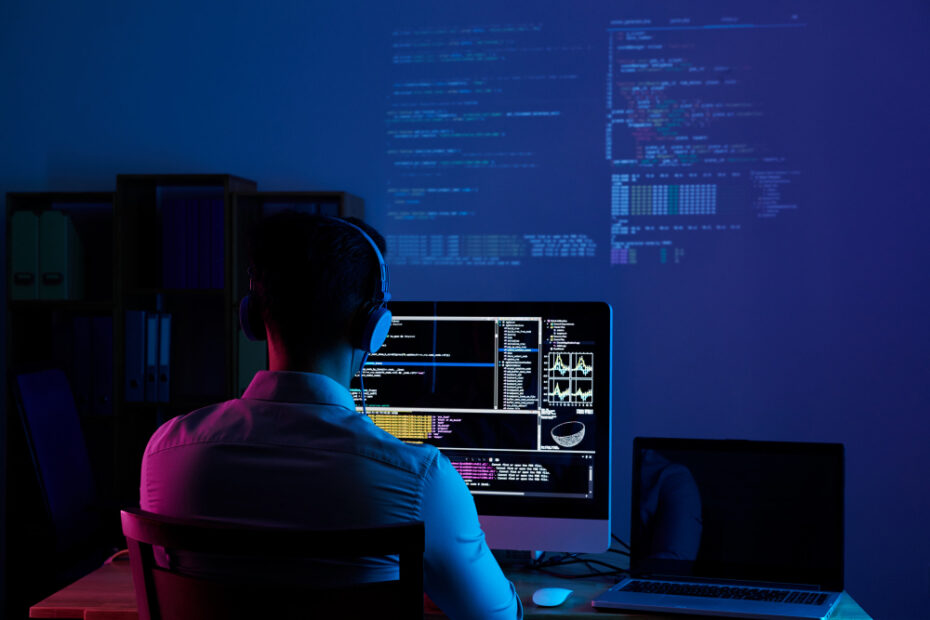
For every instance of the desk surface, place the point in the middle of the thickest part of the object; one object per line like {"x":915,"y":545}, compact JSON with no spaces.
{"x":107,"y":594}
{"x":578,"y":604}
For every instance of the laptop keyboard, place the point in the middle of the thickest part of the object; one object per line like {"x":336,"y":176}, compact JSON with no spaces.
{"x":732,"y":592}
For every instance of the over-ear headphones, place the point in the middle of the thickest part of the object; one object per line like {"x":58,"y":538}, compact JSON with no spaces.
{"x":369,"y":328}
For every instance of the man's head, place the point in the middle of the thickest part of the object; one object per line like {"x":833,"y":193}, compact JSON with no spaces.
{"x":312,"y":278}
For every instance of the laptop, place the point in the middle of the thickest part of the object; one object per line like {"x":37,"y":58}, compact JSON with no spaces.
{"x":745,"y":529}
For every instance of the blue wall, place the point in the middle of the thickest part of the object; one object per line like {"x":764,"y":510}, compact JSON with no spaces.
{"x":813,"y":327}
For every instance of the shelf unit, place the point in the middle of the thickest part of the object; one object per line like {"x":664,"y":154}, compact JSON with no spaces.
{"x":44,"y":333}
{"x":40,"y":332}
{"x":150,"y":208}
{"x":131,"y":262}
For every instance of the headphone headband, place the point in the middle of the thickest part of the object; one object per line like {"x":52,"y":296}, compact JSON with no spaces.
{"x":385,"y":294}
{"x":372,"y":326}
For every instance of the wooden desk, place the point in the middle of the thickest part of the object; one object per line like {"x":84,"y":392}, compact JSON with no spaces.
{"x":107,"y":594}
{"x":578,"y":605}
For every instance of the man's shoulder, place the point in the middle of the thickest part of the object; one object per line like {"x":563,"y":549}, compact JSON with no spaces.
{"x":382,"y":446}
{"x":198,"y":426}
{"x":292,"y":427}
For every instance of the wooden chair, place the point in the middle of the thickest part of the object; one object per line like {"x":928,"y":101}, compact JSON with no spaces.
{"x":164,"y":594}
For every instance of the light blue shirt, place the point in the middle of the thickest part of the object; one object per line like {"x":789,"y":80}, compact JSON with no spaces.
{"x":293,"y":452}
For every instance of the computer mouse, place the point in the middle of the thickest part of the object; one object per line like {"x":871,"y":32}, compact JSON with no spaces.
{"x":550,"y":597}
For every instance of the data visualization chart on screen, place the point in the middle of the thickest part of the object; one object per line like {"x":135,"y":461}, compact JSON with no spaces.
{"x":628,"y":134}
{"x":515,"y":394}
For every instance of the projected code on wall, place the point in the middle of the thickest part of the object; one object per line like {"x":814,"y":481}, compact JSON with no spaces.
{"x":513,"y":143}
{"x":689,"y":132}
{"x":471,"y":117}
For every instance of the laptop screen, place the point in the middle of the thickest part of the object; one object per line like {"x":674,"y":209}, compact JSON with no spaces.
{"x":740,"y":510}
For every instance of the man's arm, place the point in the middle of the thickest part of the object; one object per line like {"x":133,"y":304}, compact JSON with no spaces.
{"x":460,"y":574}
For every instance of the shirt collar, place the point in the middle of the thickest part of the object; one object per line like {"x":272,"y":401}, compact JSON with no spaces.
{"x":298,"y":387}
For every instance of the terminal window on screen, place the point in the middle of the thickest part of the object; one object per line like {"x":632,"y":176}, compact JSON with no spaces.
{"x":508,"y":399}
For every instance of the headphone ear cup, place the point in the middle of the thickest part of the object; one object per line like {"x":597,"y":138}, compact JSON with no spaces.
{"x":376,"y":329}
{"x":250,"y":320}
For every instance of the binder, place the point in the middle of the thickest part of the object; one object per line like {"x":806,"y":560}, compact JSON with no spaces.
{"x":102,"y":370}
{"x":135,"y":356}
{"x":174,"y":244}
{"x":182,"y":251}
{"x":329,"y":209}
{"x":82,"y":364}
{"x":60,"y":257}
{"x":24,"y":255}
{"x":151,"y":358}
{"x":217,"y":243}
{"x":204,"y":251}
{"x":166,"y":244}
{"x":192,"y":264}
{"x":179,"y":251}
{"x":164,"y":358}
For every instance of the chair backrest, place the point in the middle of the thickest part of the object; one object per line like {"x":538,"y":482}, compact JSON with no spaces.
{"x":163,"y":593}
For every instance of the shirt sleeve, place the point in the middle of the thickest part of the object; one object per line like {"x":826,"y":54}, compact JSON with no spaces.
{"x":459,"y":573}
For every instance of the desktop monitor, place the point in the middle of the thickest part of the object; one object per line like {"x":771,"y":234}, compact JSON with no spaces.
{"x":518,"y":396}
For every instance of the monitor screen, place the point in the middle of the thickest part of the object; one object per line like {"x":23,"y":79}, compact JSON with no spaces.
{"x":517,"y":395}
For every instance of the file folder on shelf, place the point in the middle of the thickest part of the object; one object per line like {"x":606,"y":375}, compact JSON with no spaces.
{"x":24,"y":255}
{"x":91,"y":363}
{"x":192,"y":266}
{"x":329,"y":209}
{"x":217,"y":244}
{"x":135,"y":356}
{"x":102,"y":371}
{"x":164,"y":358}
{"x":193,"y":241}
{"x":60,"y":258}
{"x":81,"y":364}
{"x":204,"y":219}
{"x":174,"y":243}
{"x":151,"y":358}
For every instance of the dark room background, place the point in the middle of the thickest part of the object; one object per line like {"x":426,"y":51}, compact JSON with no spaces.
{"x":745,"y":183}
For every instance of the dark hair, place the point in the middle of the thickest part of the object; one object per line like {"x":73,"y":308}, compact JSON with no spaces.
{"x":310,"y":275}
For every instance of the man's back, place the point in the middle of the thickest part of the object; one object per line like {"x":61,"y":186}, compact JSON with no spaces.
{"x":294,"y":452}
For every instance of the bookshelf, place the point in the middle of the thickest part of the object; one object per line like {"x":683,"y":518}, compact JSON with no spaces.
{"x":69,"y":235}
{"x":48,"y":331}
{"x":161,"y":244}
{"x":172,"y":257}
